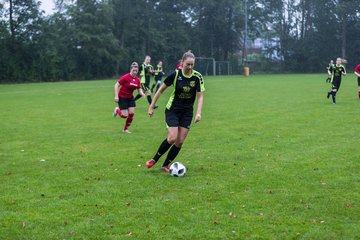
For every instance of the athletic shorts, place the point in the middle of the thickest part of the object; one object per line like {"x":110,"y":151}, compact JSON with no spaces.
{"x":359,"y":81}
{"x":336,"y":84}
{"x":125,"y":103}
{"x":179,"y":118}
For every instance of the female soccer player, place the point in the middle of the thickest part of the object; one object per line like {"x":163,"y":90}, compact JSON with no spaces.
{"x":124,"y":89}
{"x":357,"y":73}
{"x":158,"y":75}
{"x":336,"y":72}
{"x":146,"y":70}
{"x":188,"y":84}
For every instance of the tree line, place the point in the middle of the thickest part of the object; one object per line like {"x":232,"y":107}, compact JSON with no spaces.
{"x":94,"y":39}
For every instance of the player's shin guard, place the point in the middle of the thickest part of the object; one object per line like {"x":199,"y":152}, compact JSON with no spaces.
{"x":129,"y":121}
{"x":164,"y":146}
{"x":171,"y":155}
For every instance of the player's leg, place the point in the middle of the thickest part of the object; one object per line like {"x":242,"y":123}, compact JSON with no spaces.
{"x":164,"y":146}
{"x":130,"y":118}
{"x":176,"y":147}
{"x":183,"y":130}
{"x":122,"y":109}
{"x":358,"y":80}
{"x":154,"y":84}
{"x":172,"y":122}
{"x":158,"y":84}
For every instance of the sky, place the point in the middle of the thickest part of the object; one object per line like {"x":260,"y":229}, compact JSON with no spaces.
{"x":47,"y":6}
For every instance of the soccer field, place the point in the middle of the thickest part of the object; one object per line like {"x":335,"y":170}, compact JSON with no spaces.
{"x":272,"y":158}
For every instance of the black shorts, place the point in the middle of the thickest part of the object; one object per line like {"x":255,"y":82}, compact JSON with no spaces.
{"x":179,"y":118}
{"x":336,"y":84}
{"x":125,"y":103}
{"x":359,"y":81}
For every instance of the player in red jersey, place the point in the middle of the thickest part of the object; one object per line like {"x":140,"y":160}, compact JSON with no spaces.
{"x":357,"y":73}
{"x":124,"y":89}
{"x":179,"y":65}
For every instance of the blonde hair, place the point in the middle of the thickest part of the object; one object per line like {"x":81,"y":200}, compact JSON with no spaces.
{"x":187,"y":55}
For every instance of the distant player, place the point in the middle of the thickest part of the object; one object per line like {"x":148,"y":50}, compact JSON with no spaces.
{"x":179,"y":65}
{"x":328,"y":79}
{"x":357,"y":73}
{"x":146,"y":70}
{"x":124,"y":89}
{"x":188,"y":85}
{"x":336,"y":71}
{"x":159,"y":72}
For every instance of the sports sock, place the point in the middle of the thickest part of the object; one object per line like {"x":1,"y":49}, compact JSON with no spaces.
{"x":164,"y":146}
{"x":333,"y":95}
{"x":149,"y":99}
{"x":171,"y":155}
{"x":137,"y":97}
{"x":128,"y":121}
{"x":118,"y":111}
{"x":359,"y":94}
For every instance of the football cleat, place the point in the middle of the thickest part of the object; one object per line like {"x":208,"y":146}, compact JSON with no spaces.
{"x":115,"y":112}
{"x":150,"y":163}
{"x":126,"y":131}
{"x":166,"y":169}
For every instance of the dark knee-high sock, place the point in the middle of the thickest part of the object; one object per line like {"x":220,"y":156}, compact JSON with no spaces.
{"x":128,"y":121}
{"x":164,"y":146}
{"x":149,"y":99}
{"x":171,"y":155}
{"x":333,"y":95}
{"x":137,"y":97}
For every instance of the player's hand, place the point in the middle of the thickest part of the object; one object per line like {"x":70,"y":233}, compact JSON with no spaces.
{"x":151,"y":111}
{"x":197,"y":118}
{"x":116,"y":99}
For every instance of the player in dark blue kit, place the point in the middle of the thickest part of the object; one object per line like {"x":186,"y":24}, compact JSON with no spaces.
{"x":188,"y":85}
{"x":337,"y":71}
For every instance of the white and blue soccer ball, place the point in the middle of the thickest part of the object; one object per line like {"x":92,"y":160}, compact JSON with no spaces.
{"x":177,"y":169}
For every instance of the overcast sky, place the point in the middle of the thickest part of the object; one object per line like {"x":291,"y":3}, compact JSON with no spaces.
{"x":47,"y":6}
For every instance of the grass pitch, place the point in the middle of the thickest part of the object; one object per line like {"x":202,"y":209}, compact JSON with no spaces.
{"x":272,"y":158}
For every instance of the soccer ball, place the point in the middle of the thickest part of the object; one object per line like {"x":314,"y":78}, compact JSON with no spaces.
{"x":177,"y":169}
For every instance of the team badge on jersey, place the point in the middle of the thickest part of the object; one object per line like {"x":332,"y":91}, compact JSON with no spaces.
{"x":186,"y":89}
{"x":192,"y":84}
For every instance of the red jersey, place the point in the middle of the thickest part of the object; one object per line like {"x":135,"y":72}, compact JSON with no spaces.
{"x":357,"y":69}
{"x":128,"y":85}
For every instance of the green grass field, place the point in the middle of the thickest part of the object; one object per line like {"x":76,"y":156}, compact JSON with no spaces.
{"x":272,"y":158}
